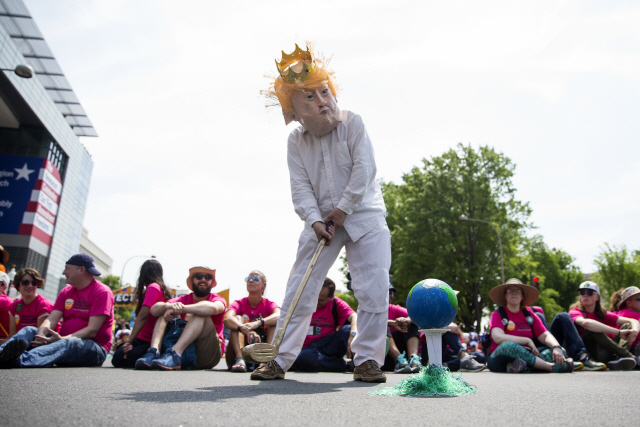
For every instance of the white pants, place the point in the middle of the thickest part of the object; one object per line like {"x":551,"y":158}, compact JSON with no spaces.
{"x":369,"y":260}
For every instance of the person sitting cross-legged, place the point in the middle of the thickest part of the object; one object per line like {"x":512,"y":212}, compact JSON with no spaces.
{"x":599,"y":329}
{"x":86,"y":307}
{"x":514,"y":330}
{"x":627,"y":304}
{"x":254,"y":316}
{"x":404,"y":340}
{"x":329,"y":338}
{"x":204,"y":312}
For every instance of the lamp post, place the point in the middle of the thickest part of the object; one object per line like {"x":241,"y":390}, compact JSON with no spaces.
{"x":127,"y":261}
{"x":465,"y":218}
{"x":22,"y":70}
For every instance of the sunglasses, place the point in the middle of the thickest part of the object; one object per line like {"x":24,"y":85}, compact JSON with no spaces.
{"x":254,"y":278}
{"x":588,"y":292}
{"x":514,"y":291}
{"x":27,"y":282}
{"x":200,"y":276}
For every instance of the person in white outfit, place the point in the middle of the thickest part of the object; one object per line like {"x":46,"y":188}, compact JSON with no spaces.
{"x":333,"y":178}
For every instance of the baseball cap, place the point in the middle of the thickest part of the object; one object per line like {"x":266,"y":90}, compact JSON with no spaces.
{"x":84,"y":260}
{"x":589,"y":285}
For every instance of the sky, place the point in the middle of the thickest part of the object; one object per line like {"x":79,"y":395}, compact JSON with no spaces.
{"x":190,"y":166}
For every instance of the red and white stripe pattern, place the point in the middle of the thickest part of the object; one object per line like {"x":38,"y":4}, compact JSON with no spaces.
{"x":40,"y":217}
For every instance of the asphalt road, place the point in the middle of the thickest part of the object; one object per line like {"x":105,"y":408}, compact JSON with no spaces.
{"x":109,"y":396}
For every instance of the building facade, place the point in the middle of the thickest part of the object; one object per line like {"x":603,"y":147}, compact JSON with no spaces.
{"x":45,"y":171}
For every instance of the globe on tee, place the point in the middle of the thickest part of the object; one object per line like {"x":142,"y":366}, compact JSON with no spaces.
{"x":431,"y":303}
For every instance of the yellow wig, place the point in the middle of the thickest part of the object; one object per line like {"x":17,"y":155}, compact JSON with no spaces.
{"x":279,"y":92}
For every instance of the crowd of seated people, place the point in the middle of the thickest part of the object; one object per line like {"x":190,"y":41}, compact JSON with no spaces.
{"x":79,"y":328}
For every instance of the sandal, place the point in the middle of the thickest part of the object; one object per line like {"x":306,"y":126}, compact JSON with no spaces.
{"x":239,"y":365}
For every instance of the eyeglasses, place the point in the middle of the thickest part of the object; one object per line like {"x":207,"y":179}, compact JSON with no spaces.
{"x":200,"y":276}
{"x":27,"y":282}
{"x":588,"y":292}
{"x":514,"y":291}
{"x":254,"y":278}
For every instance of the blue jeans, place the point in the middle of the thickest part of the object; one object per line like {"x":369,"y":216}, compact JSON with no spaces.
{"x":450,"y":355}
{"x":326,"y":354}
{"x":564,"y":330}
{"x":67,"y":352}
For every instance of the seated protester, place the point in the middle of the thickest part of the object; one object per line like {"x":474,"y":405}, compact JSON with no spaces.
{"x":515,"y":328}
{"x":405,"y":339}
{"x":328,"y":338}
{"x":30,"y":309}
{"x":86,"y":307}
{"x":151,"y":289}
{"x":254,"y":316}
{"x":598,"y":329}
{"x":564,"y":330}
{"x":204,"y":313}
{"x":627,"y":304}
{"x":454,"y":356}
{"x":7,"y":327}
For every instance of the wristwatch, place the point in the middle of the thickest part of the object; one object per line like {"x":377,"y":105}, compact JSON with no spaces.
{"x":353,"y":334}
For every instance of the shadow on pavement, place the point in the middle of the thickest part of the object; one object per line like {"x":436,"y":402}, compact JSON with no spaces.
{"x":217,"y":393}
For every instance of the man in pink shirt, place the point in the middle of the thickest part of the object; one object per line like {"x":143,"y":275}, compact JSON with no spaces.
{"x":86,"y":306}
{"x":328,"y":338}
{"x":203,"y":312}
{"x":254,"y":316}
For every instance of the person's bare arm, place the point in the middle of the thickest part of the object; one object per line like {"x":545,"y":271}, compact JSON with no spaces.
{"x":231,"y":321}
{"x":629,"y":335}
{"x":595,"y":326}
{"x":88,"y":332}
{"x":159,"y":308}
{"x":204,"y":308}
{"x":41,"y":319}
{"x":141,"y":319}
{"x":499,"y":336}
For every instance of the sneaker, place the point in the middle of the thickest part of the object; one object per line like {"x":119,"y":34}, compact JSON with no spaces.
{"x":169,"y":361}
{"x":12,"y":352}
{"x":471,"y":365}
{"x":516,"y":366}
{"x":565,"y":368}
{"x":592,"y":365}
{"x":402,"y":366}
{"x":268,"y":371}
{"x":369,"y":372}
{"x":415,"y":363}
{"x":622,"y":364}
{"x":578,"y":365}
{"x":144,"y":363}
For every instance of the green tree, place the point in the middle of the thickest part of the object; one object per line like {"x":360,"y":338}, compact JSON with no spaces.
{"x":618,"y":268}
{"x":428,"y":240}
{"x":349,"y":298}
{"x":111,"y":281}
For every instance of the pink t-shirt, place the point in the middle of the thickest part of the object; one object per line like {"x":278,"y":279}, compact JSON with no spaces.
{"x":610,"y":319}
{"x":78,"y":305}
{"x":630,"y":314}
{"x":243,"y":308}
{"x":28,"y":314}
{"x":323,"y":323}
{"x":216,"y":318}
{"x":517,"y":326}
{"x":5,"y":320}
{"x":152,"y":295}
{"x":396,"y":311}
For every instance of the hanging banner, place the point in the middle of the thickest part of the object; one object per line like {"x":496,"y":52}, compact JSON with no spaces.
{"x":125,"y":297}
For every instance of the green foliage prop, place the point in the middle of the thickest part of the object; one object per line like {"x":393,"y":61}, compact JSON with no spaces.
{"x":432,"y":380}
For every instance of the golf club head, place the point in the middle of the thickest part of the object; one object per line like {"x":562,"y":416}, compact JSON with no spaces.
{"x":259,"y":353}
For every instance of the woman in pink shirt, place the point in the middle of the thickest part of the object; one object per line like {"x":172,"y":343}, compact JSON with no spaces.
{"x":151,"y":289}
{"x":599,"y":329}
{"x":626,"y":303}
{"x":521,"y":343}
{"x":30,"y":309}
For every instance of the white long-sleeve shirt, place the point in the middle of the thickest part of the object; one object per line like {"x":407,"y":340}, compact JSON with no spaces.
{"x":337,"y":170}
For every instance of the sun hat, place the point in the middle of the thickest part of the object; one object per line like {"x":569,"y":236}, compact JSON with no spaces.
{"x":84,"y":260}
{"x":589,"y":285}
{"x":4,"y":255}
{"x":203,"y":270}
{"x":628,"y":293}
{"x":529,"y":293}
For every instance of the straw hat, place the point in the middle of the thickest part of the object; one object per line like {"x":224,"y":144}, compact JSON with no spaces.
{"x":202,"y":270}
{"x":4,"y":255}
{"x":529,"y":293}
{"x":628,"y":293}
